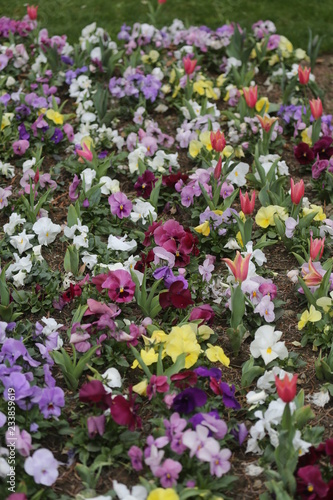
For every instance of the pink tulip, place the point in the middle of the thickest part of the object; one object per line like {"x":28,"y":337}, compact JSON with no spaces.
{"x":85,"y":153}
{"x":239,"y":267}
{"x":251,"y":96}
{"x":297,"y":191}
{"x":316,"y":108}
{"x":313,"y":277}
{"x":32,"y":12}
{"x":317,"y":247}
{"x":217,"y":141}
{"x":247,"y":205}
{"x":189,"y":64}
{"x":303,"y":75}
{"x":218,"y":169}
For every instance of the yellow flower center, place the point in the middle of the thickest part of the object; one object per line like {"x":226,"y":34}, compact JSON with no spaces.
{"x":254,"y":294}
{"x":121,"y":207}
{"x":269,"y":350}
{"x":21,"y":241}
{"x":236,"y":174}
{"x":143,"y":186}
{"x":310,"y":488}
{"x":47,"y":235}
{"x":121,"y":290}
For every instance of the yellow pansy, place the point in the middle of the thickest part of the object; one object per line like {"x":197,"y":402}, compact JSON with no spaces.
{"x":218,"y":212}
{"x":239,"y":153}
{"x":172,"y":75}
{"x":261,"y":103}
{"x":205,"y":139}
{"x":273,"y":60}
{"x":199,"y":87}
{"x":6,"y":119}
{"x":228,"y":150}
{"x":220,"y":80}
{"x":163,"y":494}
{"x":239,"y":239}
{"x":203,"y":229}
{"x":159,"y":336}
{"x":181,"y":340}
{"x":54,"y":116}
{"x":148,"y":357}
{"x":166,"y":88}
{"x":216,"y":353}
{"x":325,"y":303}
{"x":253,"y":54}
{"x":176,"y":92}
{"x":301,"y":55}
{"x":195,"y":148}
{"x":315,"y":208}
{"x":281,"y":212}
{"x":305,"y":137}
{"x":312,"y":315}
{"x":226,"y":97}
{"x":265,"y":216}
{"x":141,"y":387}
{"x":285,"y":46}
{"x":205,"y":332}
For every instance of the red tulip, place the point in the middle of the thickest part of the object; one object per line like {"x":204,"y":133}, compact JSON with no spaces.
{"x":247,"y":205}
{"x":36,"y":178}
{"x":32,"y":12}
{"x":316,"y":108}
{"x":189,"y":64}
{"x":251,"y":96}
{"x":217,"y":141}
{"x":161,"y":1}
{"x":303,"y":75}
{"x":316,"y":247}
{"x":286,"y":388}
{"x":297,"y":191}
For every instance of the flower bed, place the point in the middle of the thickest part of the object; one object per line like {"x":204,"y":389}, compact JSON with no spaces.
{"x":166,"y":285}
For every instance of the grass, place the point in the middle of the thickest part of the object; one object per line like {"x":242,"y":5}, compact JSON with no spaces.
{"x":292,"y":17}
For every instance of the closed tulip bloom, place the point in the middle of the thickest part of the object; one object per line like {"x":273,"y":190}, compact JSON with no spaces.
{"x":317,"y":248}
{"x":239,"y":267}
{"x":218,"y":169}
{"x":286,"y":388}
{"x":217,"y":141}
{"x":189,"y":64}
{"x":247,"y":205}
{"x":313,"y":277}
{"x":297,"y":191}
{"x":303,"y":75}
{"x":251,"y":96}
{"x":316,"y":108}
{"x":85,"y":153}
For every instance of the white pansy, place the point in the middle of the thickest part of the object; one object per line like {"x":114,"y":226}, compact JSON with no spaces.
{"x":96,"y":53}
{"x":138,"y":492}
{"x":142,"y":210}
{"x":22,"y":241}
{"x":14,"y":220}
{"x":134,"y":157}
{"x":300,"y":445}
{"x":90,"y":260}
{"x":237,"y":175}
{"x":112,"y":378}
{"x":69,"y":232}
{"x":7,"y":170}
{"x":253,"y":470}
{"x":18,"y":279}
{"x":110,"y":186}
{"x":51,"y":326}
{"x":21,"y":264}
{"x":88,"y":175}
{"x":122,"y":244}
{"x":37,"y":251}
{"x":320,"y":398}
{"x":267,"y":381}
{"x":28,"y":164}
{"x":46,"y":230}
{"x":266,"y":344}
{"x":253,"y":398}
{"x":232,"y":244}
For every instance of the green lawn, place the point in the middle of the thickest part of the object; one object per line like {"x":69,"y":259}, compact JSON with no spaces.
{"x":292,"y":17}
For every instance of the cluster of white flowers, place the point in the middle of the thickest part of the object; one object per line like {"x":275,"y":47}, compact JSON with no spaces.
{"x":79,"y":240}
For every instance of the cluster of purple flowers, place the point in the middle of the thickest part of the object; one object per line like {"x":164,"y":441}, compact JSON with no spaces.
{"x":133,"y":82}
